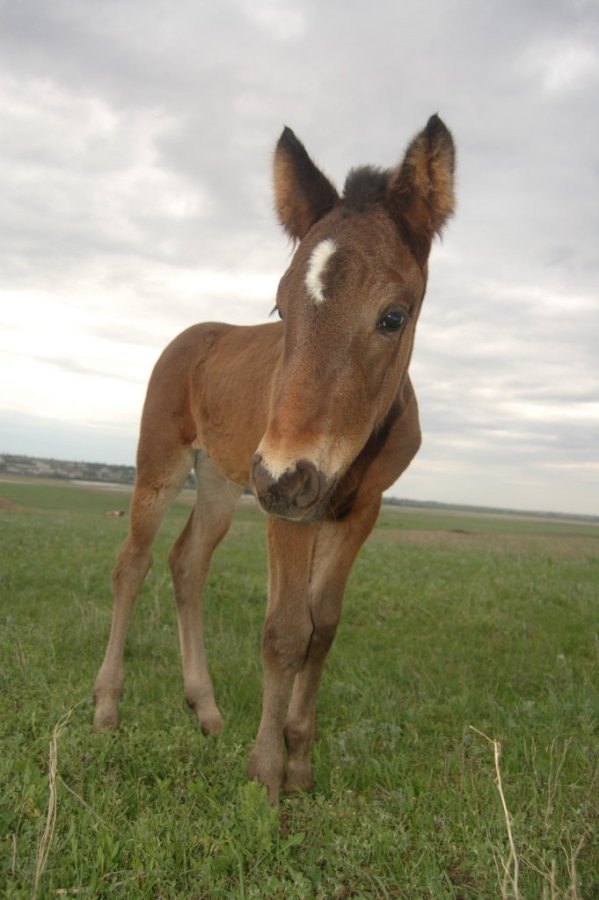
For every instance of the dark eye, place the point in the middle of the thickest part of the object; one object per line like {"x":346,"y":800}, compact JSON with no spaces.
{"x":392,"y":320}
{"x":276,"y":310}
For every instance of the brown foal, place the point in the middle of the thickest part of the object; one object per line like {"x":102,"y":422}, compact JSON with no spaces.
{"x":315,"y":412}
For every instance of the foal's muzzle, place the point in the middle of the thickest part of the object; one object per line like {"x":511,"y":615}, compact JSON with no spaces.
{"x":296,"y":494}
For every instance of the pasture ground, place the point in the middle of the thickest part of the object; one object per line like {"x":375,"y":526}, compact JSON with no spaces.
{"x":464,"y":677}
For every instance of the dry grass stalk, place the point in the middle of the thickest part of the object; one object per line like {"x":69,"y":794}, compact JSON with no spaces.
{"x":13,"y":858}
{"x":512,"y":866}
{"x":555,"y":776}
{"x":46,"y":838}
{"x":571,"y":858}
{"x":551,"y":890}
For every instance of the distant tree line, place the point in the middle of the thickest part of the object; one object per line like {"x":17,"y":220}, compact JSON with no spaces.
{"x":12,"y":464}
{"x":42,"y":467}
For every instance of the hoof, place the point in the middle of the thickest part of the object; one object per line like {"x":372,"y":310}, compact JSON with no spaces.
{"x":271,"y":781}
{"x":206,"y":712}
{"x":105,"y":722}
{"x":298,"y":780}
{"x":106,"y":706}
{"x":211,"y":724}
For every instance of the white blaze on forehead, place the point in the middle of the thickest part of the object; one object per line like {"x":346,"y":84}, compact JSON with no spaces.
{"x":316,"y":267}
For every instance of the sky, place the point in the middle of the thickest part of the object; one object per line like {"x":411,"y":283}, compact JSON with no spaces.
{"x":136,"y":143}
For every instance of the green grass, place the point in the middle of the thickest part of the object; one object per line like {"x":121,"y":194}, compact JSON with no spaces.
{"x":451,"y":623}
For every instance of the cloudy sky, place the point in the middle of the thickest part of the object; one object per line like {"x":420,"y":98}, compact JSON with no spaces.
{"x":135,"y":152}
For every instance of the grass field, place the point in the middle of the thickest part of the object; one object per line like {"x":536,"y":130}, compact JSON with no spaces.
{"x":458,"y":748}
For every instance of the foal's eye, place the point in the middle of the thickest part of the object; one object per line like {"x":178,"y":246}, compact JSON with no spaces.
{"x":392,"y":320}
{"x":276,"y":310}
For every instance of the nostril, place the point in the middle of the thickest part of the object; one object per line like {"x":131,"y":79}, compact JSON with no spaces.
{"x":308,"y":487}
{"x":255,"y":463}
{"x":260,"y":479}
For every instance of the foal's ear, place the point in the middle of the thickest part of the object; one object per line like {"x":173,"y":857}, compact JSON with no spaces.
{"x":302,"y":193}
{"x":420,"y":192}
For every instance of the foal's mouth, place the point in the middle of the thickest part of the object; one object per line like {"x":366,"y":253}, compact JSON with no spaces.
{"x":298,"y":517}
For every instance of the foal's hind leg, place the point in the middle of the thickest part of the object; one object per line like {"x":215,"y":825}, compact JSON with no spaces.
{"x":150,"y":500}
{"x":189,"y":561}
{"x":337,"y":544}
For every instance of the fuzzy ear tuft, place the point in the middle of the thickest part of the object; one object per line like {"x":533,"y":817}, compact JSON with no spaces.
{"x":420,"y":191}
{"x":303,"y":195}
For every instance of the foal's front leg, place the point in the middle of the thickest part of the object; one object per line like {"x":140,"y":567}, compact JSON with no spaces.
{"x":286,"y":637}
{"x":337,"y":544}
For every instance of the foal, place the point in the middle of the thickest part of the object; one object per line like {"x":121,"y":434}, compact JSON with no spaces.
{"x":316,"y":412}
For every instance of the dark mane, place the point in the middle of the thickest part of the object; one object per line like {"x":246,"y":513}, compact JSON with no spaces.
{"x":364,"y":187}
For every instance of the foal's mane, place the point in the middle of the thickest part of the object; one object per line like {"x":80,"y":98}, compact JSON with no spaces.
{"x":364,"y":188}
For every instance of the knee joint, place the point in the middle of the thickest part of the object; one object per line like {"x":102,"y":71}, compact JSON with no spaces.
{"x":324,"y":635}
{"x":285,"y":643}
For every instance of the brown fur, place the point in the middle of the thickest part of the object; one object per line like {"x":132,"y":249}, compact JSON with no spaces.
{"x":317,"y":413}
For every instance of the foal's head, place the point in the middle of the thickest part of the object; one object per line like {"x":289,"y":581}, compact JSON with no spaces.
{"x":349,"y":302}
